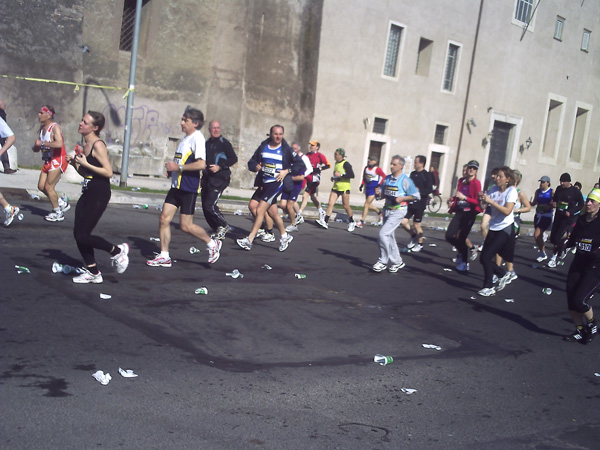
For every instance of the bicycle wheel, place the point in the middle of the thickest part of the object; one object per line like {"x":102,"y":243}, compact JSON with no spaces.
{"x":435,"y":203}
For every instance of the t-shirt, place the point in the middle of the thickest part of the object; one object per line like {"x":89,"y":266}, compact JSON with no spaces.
{"x":191,"y":149}
{"x":5,"y":130}
{"x":499,"y":221}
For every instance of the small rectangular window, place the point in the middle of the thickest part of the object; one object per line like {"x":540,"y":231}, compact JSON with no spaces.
{"x":553,"y":126}
{"x":523,"y":10}
{"x":558,"y":28}
{"x":585,"y":41}
{"x":128,"y":24}
{"x":424,"y":57}
{"x":440,"y":134}
{"x":579,"y":134}
{"x":450,"y":70}
{"x":379,"y":125}
{"x":392,"y":53}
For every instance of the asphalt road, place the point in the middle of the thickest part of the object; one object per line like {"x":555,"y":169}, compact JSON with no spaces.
{"x":274,"y":362}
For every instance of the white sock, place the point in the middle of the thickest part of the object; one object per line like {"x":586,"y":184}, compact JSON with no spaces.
{"x":284,"y":235}
{"x":211,"y":244}
{"x":165,"y":255}
{"x":8,"y":209}
{"x":57,"y":210}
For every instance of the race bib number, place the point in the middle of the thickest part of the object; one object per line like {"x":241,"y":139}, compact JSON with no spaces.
{"x":391,"y":191}
{"x":46,"y":153}
{"x":562,"y":206}
{"x":270,"y":170}
{"x":85,"y":183}
{"x":585,"y":245}
{"x":177,"y":157}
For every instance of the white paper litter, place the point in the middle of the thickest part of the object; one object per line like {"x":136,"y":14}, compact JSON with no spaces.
{"x":447,"y":270}
{"x":105,"y":296}
{"x":509,"y":300}
{"x":408,"y":391}
{"x":127,"y":373}
{"x":433,"y":245}
{"x":435,"y":347}
{"x":597,"y":374}
{"x":103,"y":378}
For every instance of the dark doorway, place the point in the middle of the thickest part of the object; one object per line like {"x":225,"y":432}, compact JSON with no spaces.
{"x":500,"y":140}
{"x":376,"y":148}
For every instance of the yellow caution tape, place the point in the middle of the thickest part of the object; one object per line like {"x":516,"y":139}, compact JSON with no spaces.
{"x":72,"y":84}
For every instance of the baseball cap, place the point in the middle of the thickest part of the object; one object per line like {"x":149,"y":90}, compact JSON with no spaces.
{"x":341,"y":151}
{"x":545,"y":178}
{"x":473,"y":163}
{"x":594,"y":195}
{"x":314,"y":143}
{"x":565,"y":177}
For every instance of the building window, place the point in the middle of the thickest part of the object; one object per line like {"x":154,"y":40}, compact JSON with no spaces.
{"x":128,"y":24}
{"x":523,"y":10}
{"x":558,"y":28}
{"x":379,"y":125}
{"x":441,"y":132}
{"x":390,"y":68}
{"x":585,"y":41}
{"x":553,"y":125}
{"x":424,"y":57}
{"x":579,"y":135}
{"x":451,"y":65}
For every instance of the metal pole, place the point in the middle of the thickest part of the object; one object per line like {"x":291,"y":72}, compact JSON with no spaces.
{"x":129,"y":111}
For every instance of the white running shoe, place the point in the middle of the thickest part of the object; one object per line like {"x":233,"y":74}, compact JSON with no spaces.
{"x":413,"y":241}
{"x":351,"y":226}
{"x":541,"y":257}
{"x":260,"y":232}
{"x":379,"y":266}
{"x":513,"y":276}
{"x":159,"y":261}
{"x":322,"y":223}
{"x":55,"y":217}
{"x":494,"y":279}
{"x":245,"y":243}
{"x":63,"y":205}
{"x":221,"y":232}
{"x":396,"y":267}
{"x":284,"y":242}
{"x":359,"y":224}
{"x":10,"y":216}
{"x":552,"y":262}
{"x":214,"y":253}
{"x":417,"y":248}
{"x":87,"y":277}
{"x":299,"y":219}
{"x":487,"y":292}
{"x":121,"y":261}
{"x":291,"y":228}
{"x":502,"y":282}
{"x":267,"y":237}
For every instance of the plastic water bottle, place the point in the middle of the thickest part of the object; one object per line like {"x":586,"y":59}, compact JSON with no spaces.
{"x":202,"y":290}
{"x":547,"y":291}
{"x":144,"y":206}
{"x":194,"y":250}
{"x":383,"y":360}
{"x":235,"y":274}
{"x":300,"y":276}
{"x":22,"y":269}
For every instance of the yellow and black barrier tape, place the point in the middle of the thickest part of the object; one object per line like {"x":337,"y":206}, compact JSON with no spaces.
{"x":71,"y":83}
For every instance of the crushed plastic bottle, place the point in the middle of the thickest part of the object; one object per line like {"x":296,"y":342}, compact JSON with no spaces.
{"x":135,"y":189}
{"x":547,"y":291}
{"x":159,"y":207}
{"x":238,"y":212}
{"x":300,"y":276}
{"x":194,"y":250}
{"x":266,"y":266}
{"x":383,"y":360}
{"x":22,"y":269}
{"x":57,"y":267}
{"x":235,"y":274}
{"x":20,"y":217}
{"x":203,"y":291}
{"x":154,"y":239}
{"x":34,"y":196}
{"x":144,"y":206}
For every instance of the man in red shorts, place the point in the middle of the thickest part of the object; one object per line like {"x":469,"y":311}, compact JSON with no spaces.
{"x":52,"y":145}
{"x":319,"y":163}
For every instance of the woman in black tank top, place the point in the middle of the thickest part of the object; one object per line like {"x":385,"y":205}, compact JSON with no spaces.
{"x":93,"y":165}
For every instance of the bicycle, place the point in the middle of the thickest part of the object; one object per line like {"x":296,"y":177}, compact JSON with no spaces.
{"x":434,"y":202}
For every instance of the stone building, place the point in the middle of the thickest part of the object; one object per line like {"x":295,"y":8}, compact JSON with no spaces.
{"x":513,"y":82}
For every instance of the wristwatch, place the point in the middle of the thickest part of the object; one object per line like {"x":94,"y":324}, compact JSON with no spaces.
{"x":180,"y":167}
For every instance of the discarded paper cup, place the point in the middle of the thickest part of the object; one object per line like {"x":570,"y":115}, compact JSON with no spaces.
{"x":57,"y":267}
{"x":383,"y":360}
{"x":202,"y":290}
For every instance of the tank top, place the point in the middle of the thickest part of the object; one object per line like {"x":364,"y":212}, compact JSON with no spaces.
{"x":544,"y":199}
{"x":51,"y":153}
{"x":91,"y":178}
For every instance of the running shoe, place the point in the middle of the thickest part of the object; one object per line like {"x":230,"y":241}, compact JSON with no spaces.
{"x":541,"y":257}
{"x":87,"y":277}
{"x":121,"y":261}
{"x":379,"y":266}
{"x":564,"y":254}
{"x":578,"y":336}
{"x":351,"y":226}
{"x":413,"y":241}
{"x":396,"y":267}
{"x":291,"y":228}
{"x":299,"y":219}
{"x":63,"y":205}
{"x":513,"y":276}
{"x":417,"y":248}
{"x":574,"y":250}
{"x":267,"y":237}
{"x":591,"y":329}
{"x":245,"y":243}
{"x":214,"y":253}
{"x":284,"y":242}
{"x":494,"y":279}
{"x":463,"y":267}
{"x":322,"y":214}
{"x":159,"y":261}
{"x":10,"y":216}
{"x":502,"y":282}
{"x":359,"y":224}
{"x":473,"y":253}
{"x":221,"y":232}
{"x":487,"y":292}
{"x":552,"y":262}
{"x":55,"y":217}
{"x":322,"y":223}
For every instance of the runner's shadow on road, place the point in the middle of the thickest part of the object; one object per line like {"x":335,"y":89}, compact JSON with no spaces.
{"x":59,"y":256}
{"x":35,"y":211}
{"x":147,"y":248}
{"x":516,"y":318}
{"x":352,"y":259}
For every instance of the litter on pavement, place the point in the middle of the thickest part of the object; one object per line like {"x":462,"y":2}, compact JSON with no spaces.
{"x":127,"y":373}
{"x":435,"y":347}
{"x":408,"y":390}
{"x":383,"y":360}
{"x":103,"y":378}
{"x":235,"y":274}
{"x":105,"y":296}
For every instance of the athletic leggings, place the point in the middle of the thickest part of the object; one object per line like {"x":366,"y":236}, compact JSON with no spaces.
{"x":497,"y":242}
{"x":90,"y":207}
{"x":212,"y":213}
{"x":458,"y":231}
{"x":582,"y":281}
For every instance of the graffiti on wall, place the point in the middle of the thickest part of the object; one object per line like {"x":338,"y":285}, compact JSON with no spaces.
{"x":146,"y":125}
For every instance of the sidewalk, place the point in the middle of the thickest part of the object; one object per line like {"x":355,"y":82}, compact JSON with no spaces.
{"x":70,"y":185}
